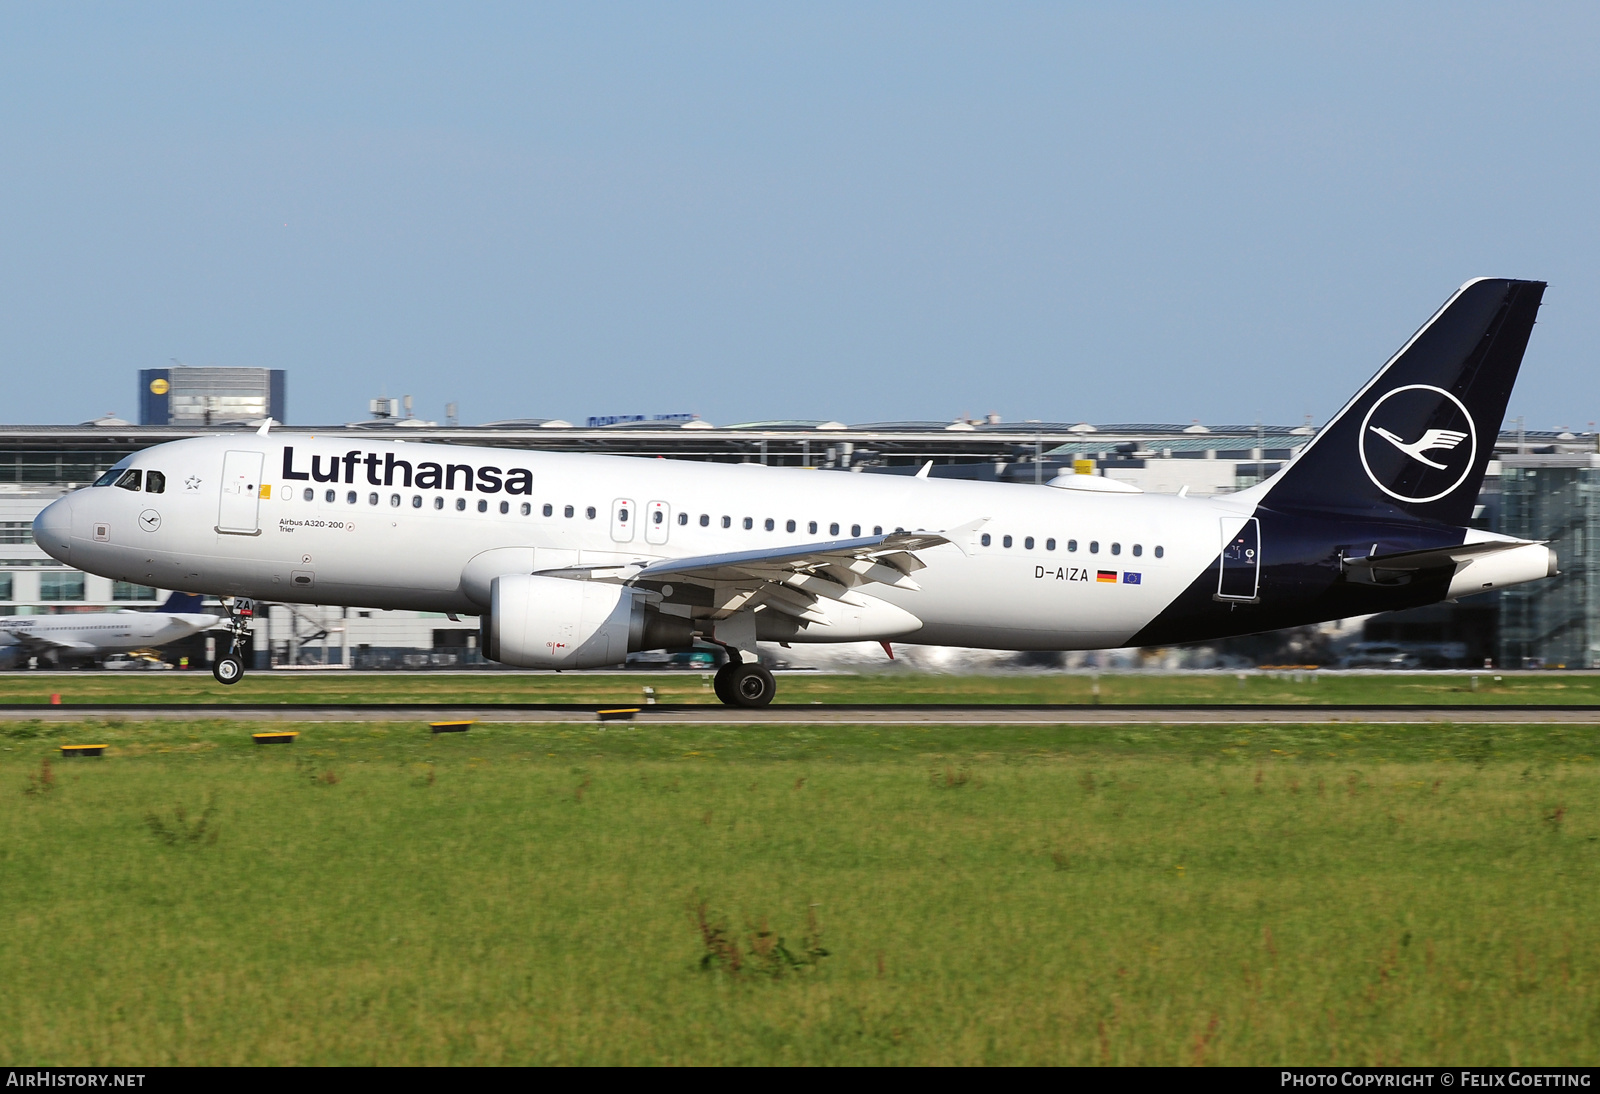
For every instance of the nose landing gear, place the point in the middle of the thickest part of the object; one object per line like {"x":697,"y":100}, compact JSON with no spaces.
{"x":229,"y":668}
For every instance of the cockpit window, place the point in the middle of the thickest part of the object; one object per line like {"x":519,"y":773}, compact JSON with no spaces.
{"x":130,"y":479}
{"x":155,"y":483}
{"x":109,"y":477}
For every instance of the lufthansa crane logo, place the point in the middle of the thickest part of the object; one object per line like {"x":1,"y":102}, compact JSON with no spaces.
{"x":1418,"y":443}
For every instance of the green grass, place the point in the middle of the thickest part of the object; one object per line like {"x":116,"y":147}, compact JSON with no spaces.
{"x":1033,"y":894}
{"x":800,"y":688}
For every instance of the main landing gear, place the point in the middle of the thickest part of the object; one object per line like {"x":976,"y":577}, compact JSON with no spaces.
{"x":229,"y":668}
{"x":743,"y":684}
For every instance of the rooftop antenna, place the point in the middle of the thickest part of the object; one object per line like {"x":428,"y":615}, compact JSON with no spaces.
{"x":450,"y":417}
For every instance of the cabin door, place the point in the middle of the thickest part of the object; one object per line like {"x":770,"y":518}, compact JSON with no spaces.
{"x":657,"y":522}
{"x":624,"y":516}
{"x":241,"y":494}
{"x":1240,"y":578}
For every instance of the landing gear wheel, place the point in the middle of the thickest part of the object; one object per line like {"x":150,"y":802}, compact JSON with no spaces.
{"x":722,"y":682}
{"x":753,"y":686}
{"x":228,"y":670}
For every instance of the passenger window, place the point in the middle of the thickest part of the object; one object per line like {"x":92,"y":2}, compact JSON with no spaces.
{"x":1049,"y":545}
{"x":155,"y":483}
{"x":461,"y":505}
{"x":416,"y":501}
{"x":748,"y":524}
{"x":1094,"y":546}
{"x":505,"y":507}
{"x":1072,"y":545}
{"x":622,"y":515}
{"x":309,"y":494}
{"x":770,"y":524}
{"x":350,"y":497}
{"x":788,"y":526}
{"x":527,"y":509}
{"x":483,"y":506}
{"x":812,"y":528}
{"x":855,"y":531}
{"x":705,"y":520}
{"x":683,"y":518}
{"x":1005,"y":541}
{"x":833,"y":529}
{"x":438,"y":503}
{"x":877,"y":529}
{"x":589,"y":512}
{"x":328,"y":496}
{"x":1138,"y":549}
{"x":1116,"y":548}
{"x":659,"y":516}
{"x":130,"y":479}
{"x":1160,"y":551}
{"x":727,"y":522}
{"x":394,"y":501}
{"x":548,"y":510}
{"x":1027,"y":544}
{"x":985,"y":540}
{"x":568,"y":511}
{"x":372,"y":498}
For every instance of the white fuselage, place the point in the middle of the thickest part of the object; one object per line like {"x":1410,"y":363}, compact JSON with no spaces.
{"x":95,"y":634}
{"x":1029,"y":567}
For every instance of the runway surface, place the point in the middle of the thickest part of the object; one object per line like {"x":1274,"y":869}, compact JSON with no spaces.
{"x":832,"y":714}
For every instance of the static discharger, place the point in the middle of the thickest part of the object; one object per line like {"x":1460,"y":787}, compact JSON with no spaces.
{"x":83,"y":750}
{"x":280,"y":737}
{"x":450,"y":727}
{"x":621,"y":714}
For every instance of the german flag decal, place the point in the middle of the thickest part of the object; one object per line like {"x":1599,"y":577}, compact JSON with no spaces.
{"x":1106,"y":575}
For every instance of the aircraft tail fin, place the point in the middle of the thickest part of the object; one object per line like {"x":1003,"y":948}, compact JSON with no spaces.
{"x":183,"y":602}
{"x":1416,"y":440}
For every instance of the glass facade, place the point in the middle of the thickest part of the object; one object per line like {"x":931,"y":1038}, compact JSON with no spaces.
{"x":127,"y":590}
{"x":61,"y":585}
{"x":1554,"y":622}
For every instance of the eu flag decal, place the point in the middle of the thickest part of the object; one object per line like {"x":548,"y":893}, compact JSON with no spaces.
{"x":1106,"y":575}
{"x":1130,"y":578}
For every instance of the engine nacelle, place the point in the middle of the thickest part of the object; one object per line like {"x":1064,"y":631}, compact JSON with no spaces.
{"x":555,"y":623}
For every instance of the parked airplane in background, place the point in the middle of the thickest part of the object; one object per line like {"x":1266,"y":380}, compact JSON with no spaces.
{"x":87,"y":636}
{"x":573,"y":561}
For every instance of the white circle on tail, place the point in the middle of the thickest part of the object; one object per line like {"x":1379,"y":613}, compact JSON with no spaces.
{"x":1441,"y":454}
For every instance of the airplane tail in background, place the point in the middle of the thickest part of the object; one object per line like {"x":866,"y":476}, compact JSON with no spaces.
{"x":183,"y":602}
{"x":1416,"y":440}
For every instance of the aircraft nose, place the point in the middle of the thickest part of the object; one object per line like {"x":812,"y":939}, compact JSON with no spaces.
{"x":52,"y":529}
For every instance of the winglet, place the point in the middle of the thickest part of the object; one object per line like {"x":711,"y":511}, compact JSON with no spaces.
{"x":265,"y":425}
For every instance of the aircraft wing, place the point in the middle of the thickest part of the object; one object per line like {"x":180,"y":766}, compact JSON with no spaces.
{"x":38,"y":643}
{"x":787,"y":579}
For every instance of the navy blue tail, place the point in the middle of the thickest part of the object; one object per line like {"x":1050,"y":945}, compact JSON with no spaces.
{"x":1416,"y":440}
{"x":183,"y":602}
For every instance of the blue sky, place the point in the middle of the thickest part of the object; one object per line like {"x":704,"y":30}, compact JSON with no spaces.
{"x":862,"y":212}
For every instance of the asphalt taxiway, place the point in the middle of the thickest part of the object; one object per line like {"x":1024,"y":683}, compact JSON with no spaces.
{"x":816,"y":714}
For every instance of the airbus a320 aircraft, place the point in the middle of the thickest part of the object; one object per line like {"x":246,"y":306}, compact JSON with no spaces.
{"x":573,"y":561}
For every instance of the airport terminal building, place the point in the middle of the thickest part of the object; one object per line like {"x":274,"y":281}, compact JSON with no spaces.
{"x":1541,"y":485}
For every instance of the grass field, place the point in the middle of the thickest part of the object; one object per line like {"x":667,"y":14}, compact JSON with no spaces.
{"x":803,"y":688}
{"x":573,"y":894}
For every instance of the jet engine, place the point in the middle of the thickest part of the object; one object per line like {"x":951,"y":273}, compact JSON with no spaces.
{"x":557,"y":623}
